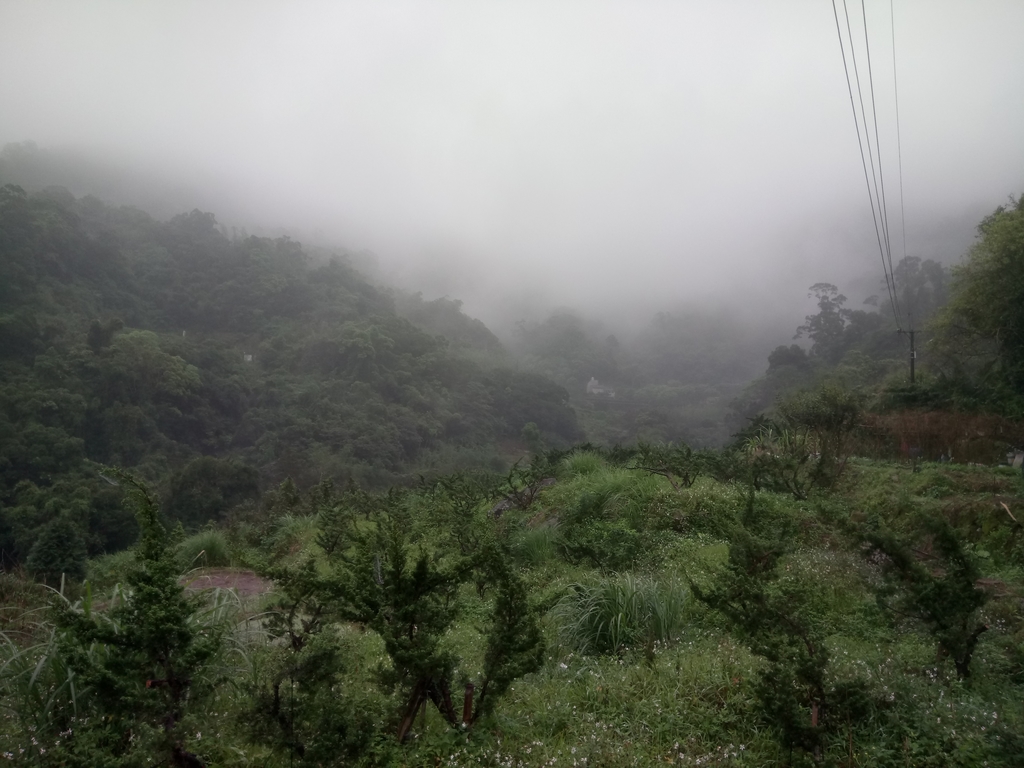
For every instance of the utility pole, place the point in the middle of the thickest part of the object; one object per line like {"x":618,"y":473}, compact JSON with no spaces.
{"x":913,"y":352}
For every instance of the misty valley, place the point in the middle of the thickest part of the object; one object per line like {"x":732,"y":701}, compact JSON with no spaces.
{"x":260,"y":506}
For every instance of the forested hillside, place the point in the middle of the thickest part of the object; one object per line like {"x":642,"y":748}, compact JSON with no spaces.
{"x":258,"y":511}
{"x":215,"y":366}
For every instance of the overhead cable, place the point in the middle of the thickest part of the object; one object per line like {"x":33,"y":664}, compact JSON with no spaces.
{"x":878,"y":152}
{"x":873,"y":179}
{"x":899,"y":146}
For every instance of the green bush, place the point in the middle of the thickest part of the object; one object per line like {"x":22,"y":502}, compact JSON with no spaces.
{"x":205,"y":549}
{"x":620,"y":612}
{"x":582,"y":463}
{"x":610,"y":545}
{"x":536,"y":546}
{"x":58,"y":553}
{"x":108,"y":570}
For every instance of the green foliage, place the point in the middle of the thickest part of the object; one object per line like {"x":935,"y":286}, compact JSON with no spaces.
{"x":515,"y":644}
{"x":370,"y":571}
{"x":775,"y":616}
{"x":215,"y":365}
{"x":40,"y":691}
{"x":826,"y":328}
{"x":791,"y":585}
{"x":620,"y":612}
{"x":206,"y":488}
{"x":537,"y":546}
{"x":206,"y":549}
{"x":780,"y":460}
{"x":938,"y":587}
{"x":827,"y":416}
{"x":981,"y":330}
{"x":857,"y":348}
{"x":582,"y":463}
{"x":679,"y":464}
{"x":444,"y":317}
{"x":302,"y":707}
{"x":407,"y":599}
{"x":457,"y":506}
{"x":142,"y":661}
{"x":592,"y":533}
{"x":58,"y":553}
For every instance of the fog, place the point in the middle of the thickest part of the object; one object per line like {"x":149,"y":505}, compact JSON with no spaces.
{"x":614,"y":157}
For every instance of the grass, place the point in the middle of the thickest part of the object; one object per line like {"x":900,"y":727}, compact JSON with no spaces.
{"x":635,"y":672}
{"x":206,"y":549}
{"x":537,"y":546}
{"x":612,"y":614}
{"x":581,"y":464}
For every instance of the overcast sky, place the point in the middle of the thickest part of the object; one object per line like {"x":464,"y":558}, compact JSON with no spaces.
{"x":633,"y":154}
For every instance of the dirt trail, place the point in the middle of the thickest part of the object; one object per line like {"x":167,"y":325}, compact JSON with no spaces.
{"x":245,"y":582}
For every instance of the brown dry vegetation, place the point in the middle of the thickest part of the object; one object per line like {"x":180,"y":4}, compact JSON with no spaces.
{"x":927,"y":435}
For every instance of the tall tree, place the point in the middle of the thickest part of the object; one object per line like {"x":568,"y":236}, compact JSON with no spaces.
{"x":981,"y":330}
{"x":142,"y":662}
{"x":825,"y":329}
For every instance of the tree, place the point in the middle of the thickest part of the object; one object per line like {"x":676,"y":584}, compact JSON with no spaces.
{"x":147,"y":676}
{"x":410,"y":598}
{"x":679,"y":464}
{"x":58,"y":553}
{"x":207,"y":488}
{"x":934,"y":581}
{"x":826,"y":328}
{"x":370,"y":572}
{"x":981,"y":330}
{"x":922,"y":287}
{"x":828,"y":416}
{"x":774,"y":615}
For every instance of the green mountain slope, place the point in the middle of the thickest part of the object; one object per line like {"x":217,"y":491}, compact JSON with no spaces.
{"x":129,"y":341}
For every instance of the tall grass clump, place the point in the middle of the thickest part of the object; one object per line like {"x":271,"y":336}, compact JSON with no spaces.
{"x":619,"y":612}
{"x":205,"y":549}
{"x":38,"y":690}
{"x":536,"y":546}
{"x":582,"y":463}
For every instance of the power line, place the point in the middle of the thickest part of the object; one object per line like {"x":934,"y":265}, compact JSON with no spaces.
{"x":878,"y":151}
{"x":874,"y":198}
{"x":899,"y":146}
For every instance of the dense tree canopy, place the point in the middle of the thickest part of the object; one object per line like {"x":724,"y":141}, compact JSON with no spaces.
{"x":212,"y":365}
{"x":982,"y":327}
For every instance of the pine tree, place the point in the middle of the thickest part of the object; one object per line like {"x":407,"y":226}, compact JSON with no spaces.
{"x":938,"y":588}
{"x":142,"y":662}
{"x":58,"y":553}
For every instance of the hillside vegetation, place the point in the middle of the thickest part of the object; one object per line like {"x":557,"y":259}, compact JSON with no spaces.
{"x":256,"y":510}
{"x":214,"y":367}
{"x":638,"y":608}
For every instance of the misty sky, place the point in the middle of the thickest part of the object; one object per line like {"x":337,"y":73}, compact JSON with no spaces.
{"x":632,"y":155}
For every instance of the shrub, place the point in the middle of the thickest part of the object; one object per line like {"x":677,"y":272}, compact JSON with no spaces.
{"x":58,"y":552}
{"x":536,"y":546}
{"x":827,"y":416}
{"x":582,"y":463}
{"x":108,"y":570}
{"x":208,"y":548}
{"x":620,"y":611}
